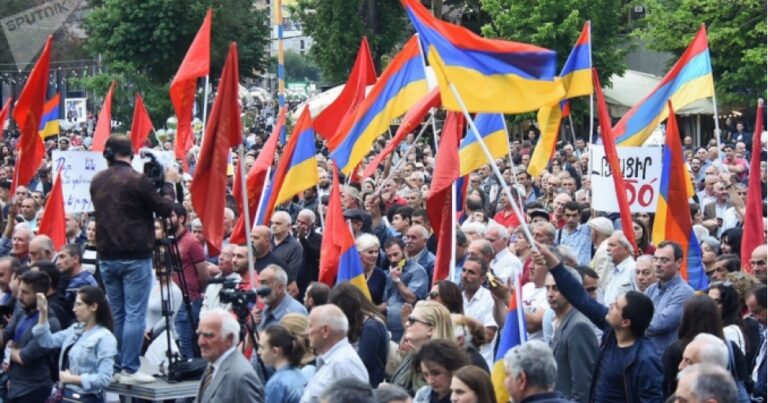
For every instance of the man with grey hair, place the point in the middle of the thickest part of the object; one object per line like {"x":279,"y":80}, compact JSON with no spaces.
{"x":229,"y":376}
{"x":287,"y":248}
{"x":41,"y":248}
{"x":706,"y":349}
{"x":74,"y":229}
{"x":645,"y":275}
{"x":701,"y":383}
{"x":416,"y":246}
{"x":620,"y":278}
{"x":531,"y":373}
{"x":336,"y":358}
{"x":504,"y":264}
{"x":278,"y":303}
{"x":310,"y":243}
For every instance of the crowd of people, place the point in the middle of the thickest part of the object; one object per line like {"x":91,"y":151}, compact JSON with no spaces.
{"x":604,"y":321}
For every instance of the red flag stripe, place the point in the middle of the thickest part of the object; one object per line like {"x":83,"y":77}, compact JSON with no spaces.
{"x":754,"y":228}
{"x":104,"y":125}
{"x":141,"y":125}
{"x":53,"y":222}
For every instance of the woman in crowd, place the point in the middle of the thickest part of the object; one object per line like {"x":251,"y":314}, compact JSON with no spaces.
{"x":88,"y":347}
{"x":90,"y":260}
{"x":437,"y":360}
{"x":367,"y":328}
{"x":368,"y":247}
{"x":449,"y":294}
{"x":283,"y":351}
{"x":730,"y":241}
{"x":700,"y":315}
{"x":470,"y":335}
{"x":710,"y":248}
{"x":298,"y":325}
{"x":428,"y":321}
{"x":727,"y":300}
{"x":471,"y":384}
{"x":643,"y":237}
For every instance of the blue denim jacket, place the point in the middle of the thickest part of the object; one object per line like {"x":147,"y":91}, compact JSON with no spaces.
{"x":92,"y":356}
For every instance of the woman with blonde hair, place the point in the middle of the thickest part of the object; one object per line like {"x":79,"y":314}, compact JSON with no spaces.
{"x":298,"y":325}
{"x":429,"y":321}
{"x":470,"y":335}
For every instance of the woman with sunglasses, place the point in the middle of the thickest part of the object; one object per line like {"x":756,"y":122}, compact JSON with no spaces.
{"x":428,"y":321}
{"x":449,"y":294}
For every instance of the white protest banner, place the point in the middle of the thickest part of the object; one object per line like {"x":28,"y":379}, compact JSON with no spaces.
{"x":641,"y":168}
{"x":78,"y":169}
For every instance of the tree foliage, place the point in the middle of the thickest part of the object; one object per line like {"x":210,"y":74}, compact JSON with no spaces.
{"x":337,"y":26}
{"x":556,"y":24}
{"x":142,"y":44}
{"x":298,"y":67}
{"x":737,"y":38}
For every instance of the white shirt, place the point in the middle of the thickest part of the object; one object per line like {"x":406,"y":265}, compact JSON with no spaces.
{"x":480,"y":308}
{"x":505,"y":264}
{"x":622,"y":279}
{"x":341,"y":361}
{"x":533,"y":300}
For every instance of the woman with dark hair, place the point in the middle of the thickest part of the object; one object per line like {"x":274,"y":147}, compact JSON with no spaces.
{"x":88,"y":348}
{"x":646,"y":218}
{"x":700,"y":315}
{"x":727,"y":300}
{"x":437,"y":360}
{"x":280,"y":349}
{"x":471,"y":384}
{"x":367,"y":328}
{"x":447,"y":293}
{"x":643,"y":237}
{"x":730,"y":241}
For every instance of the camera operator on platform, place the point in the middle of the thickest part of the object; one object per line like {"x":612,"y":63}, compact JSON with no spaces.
{"x":124,"y":202}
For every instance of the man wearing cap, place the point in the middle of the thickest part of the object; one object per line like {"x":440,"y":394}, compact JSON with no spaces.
{"x":63,"y":144}
{"x":538,"y":215}
{"x":357,"y":218}
{"x":602,"y":229}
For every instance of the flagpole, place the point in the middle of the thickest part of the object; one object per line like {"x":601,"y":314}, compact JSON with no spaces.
{"x":246,"y":211}
{"x":717,"y":127}
{"x":434,"y":132}
{"x":493,"y":165}
{"x":402,"y":159}
{"x":205,"y":107}
{"x":319,"y":206}
{"x":512,"y":170}
{"x":588,"y":141}
{"x":452,"y":267}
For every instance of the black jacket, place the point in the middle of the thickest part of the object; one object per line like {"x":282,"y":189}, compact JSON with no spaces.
{"x":124,"y":201}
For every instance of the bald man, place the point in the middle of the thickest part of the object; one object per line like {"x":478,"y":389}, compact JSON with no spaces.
{"x":757,"y":262}
{"x":261,"y":241}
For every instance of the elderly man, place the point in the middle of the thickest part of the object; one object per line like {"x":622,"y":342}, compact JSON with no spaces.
{"x":705,"y":349}
{"x":278,"y":303}
{"x":336,"y":358}
{"x":286,"y":247}
{"x":621,"y":277}
{"x":227,"y":272}
{"x":558,"y":205}
{"x":531,"y":372}
{"x":74,"y":229}
{"x":41,"y":248}
{"x":645,"y":274}
{"x":757,"y":262}
{"x":504,"y":263}
{"x":28,"y":211}
{"x":602,"y":229}
{"x":15,"y":241}
{"x":416,"y":248}
{"x":706,"y":384}
{"x":229,"y":376}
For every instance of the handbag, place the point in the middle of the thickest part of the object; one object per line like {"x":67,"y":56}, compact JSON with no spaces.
{"x":57,"y":393}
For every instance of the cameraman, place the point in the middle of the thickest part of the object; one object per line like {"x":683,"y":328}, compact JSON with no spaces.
{"x":124,"y":202}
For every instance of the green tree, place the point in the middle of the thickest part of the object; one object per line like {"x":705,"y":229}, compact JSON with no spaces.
{"x":556,"y":24}
{"x":298,"y":67}
{"x":736,"y":34}
{"x":142,"y":44}
{"x":337,"y":26}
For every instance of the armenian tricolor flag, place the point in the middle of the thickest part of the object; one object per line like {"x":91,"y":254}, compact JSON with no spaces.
{"x":297,"y":170}
{"x":673,"y":214}
{"x":493,"y":131}
{"x":491,"y":75}
{"x":577,"y":81}
{"x":689,"y":80}
{"x":513,"y":334}
{"x":400,"y":87}
{"x":49,"y":123}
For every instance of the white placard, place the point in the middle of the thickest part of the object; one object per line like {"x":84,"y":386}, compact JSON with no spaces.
{"x":78,"y":169}
{"x":641,"y":168}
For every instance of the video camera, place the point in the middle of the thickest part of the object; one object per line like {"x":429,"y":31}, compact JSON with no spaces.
{"x":153,"y":169}
{"x":231,"y":294}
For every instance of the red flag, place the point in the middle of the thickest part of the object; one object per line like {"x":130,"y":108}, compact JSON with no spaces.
{"x":439,"y":207}
{"x":53,"y":222}
{"x":196,"y":64}
{"x":410,"y":122}
{"x":330,"y":251}
{"x":613,"y":161}
{"x":4,"y":114}
{"x":362,"y":75}
{"x":141,"y":125}
{"x":224,"y":131}
{"x":754,"y":229}
{"x":254,"y":181}
{"x":104,"y":125}
{"x":27,"y":113}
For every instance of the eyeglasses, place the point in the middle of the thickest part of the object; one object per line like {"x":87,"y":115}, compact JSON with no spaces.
{"x":413,"y":319}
